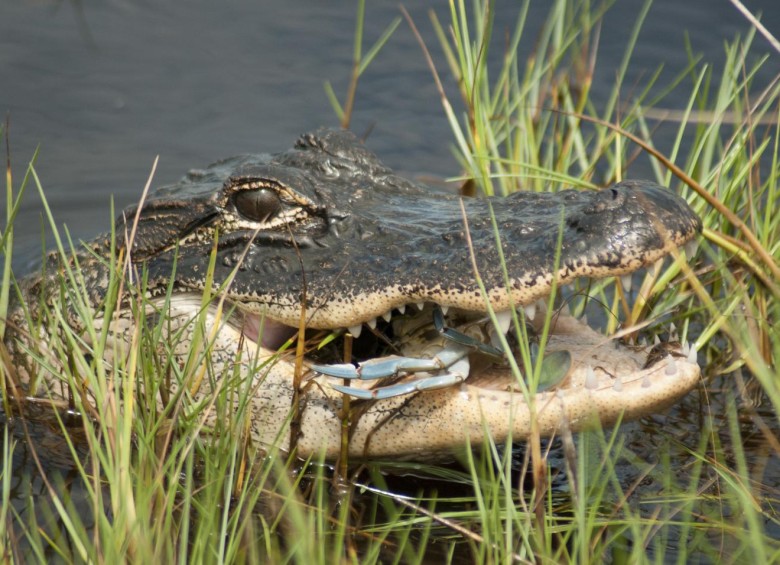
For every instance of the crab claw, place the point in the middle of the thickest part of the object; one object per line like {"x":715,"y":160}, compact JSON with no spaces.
{"x":429,"y":383}
{"x":392,"y":366}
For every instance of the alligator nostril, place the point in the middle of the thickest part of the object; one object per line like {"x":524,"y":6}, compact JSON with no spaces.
{"x":614,"y":193}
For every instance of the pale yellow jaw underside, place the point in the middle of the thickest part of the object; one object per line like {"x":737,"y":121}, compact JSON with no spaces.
{"x":606,"y":383}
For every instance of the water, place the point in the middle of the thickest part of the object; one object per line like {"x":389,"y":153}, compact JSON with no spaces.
{"x":101,"y":88}
{"x":104,"y":87}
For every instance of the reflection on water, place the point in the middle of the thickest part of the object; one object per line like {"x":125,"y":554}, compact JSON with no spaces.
{"x":43,"y":460}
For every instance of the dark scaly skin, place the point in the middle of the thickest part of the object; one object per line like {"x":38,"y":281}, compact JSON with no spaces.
{"x":367,"y":241}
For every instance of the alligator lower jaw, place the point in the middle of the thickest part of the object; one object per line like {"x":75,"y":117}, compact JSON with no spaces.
{"x":607,"y":382}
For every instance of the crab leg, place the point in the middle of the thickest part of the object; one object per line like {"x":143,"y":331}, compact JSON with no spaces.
{"x":457,"y":374}
{"x":452,"y":357}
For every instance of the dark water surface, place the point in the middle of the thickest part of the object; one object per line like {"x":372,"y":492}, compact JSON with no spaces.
{"x":102,"y":87}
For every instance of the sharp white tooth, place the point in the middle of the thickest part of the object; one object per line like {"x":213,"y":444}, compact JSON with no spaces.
{"x":685,"y":349}
{"x":646,"y":382}
{"x":355,"y":330}
{"x":591,"y":382}
{"x":672,"y":332}
{"x":671,"y":366}
{"x":387,"y":316}
{"x":642,"y":342}
{"x":401,"y":309}
{"x":371,"y":323}
{"x":691,"y":248}
{"x":504,"y":318}
{"x":530,"y":311}
{"x":584,"y":319}
{"x":656,"y":340}
{"x":617,"y":386}
{"x":444,"y":309}
{"x":626,"y":281}
{"x":420,"y":305}
{"x":693,"y":355}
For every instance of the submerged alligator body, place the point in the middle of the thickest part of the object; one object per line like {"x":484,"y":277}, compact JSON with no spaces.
{"x":326,"y":231}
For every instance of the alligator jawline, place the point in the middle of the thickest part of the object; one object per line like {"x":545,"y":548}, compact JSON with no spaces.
{"x":601,"y":362}
{"x":608,"y":382}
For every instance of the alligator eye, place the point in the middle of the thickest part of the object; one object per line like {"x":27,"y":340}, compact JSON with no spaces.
{"x":258,"y":205}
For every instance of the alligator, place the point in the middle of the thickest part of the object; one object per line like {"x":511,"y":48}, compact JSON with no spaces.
{"x":326,"y":233}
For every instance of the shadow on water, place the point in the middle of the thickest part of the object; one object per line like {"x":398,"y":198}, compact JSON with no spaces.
{"x":44,"y":461}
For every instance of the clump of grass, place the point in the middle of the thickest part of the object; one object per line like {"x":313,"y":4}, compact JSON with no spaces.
{"x":160,"y":484}
{"x":535,"y":127}
{"x":159,"y":488}
{"x":360,"y":62}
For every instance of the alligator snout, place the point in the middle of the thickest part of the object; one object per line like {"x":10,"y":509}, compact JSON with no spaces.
{"x":326,"y":234}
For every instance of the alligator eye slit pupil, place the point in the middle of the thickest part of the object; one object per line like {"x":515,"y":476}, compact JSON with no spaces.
{"x":258,"y":205}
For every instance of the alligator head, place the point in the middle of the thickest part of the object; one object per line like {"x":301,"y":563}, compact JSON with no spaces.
{"x":325,"y":231}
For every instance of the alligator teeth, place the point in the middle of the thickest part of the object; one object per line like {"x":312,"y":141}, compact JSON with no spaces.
{"x":643,"y":342}
{"x":584,"y":319}
{"x":693,"y":355}
{"x":530,"y":311}
{"x":685,"y":349}
{"x":617,"y":386}
{"x":371,"y":323}
{"x":626,"y":281}
{"x":355,"y":330}
{"x":591,"y":382}
{"x":504,"y":318}
{"x":444,"y":309}
{"x":691,"y":248}
{"x":656,"y":340}
{"x":387,"y":316}
{"x":420,"y":305}
{"x":401,"y":309}
{"x":672,"y":332}
{"x":671,"y":366}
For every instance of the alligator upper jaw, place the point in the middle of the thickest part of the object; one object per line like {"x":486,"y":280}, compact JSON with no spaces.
{"x":383,"y":247}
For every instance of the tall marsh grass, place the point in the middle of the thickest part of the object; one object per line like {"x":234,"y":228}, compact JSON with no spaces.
{"x":687,"y":485}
